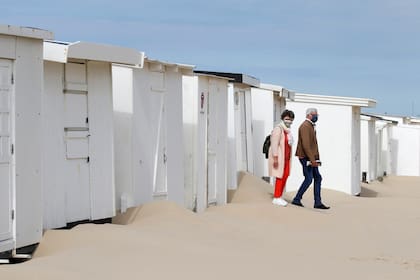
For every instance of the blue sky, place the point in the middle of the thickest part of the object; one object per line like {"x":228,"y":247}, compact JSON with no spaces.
{"x":368,"y":49}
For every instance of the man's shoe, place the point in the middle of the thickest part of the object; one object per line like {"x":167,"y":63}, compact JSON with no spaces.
{"x":321,"y":206}
{"x":297,"y":203}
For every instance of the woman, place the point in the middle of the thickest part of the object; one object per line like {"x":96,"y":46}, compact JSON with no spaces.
{"x":280,"y":155}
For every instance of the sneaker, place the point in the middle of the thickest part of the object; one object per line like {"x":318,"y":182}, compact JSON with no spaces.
{"x":282,"y":202}
{"x":279,"y":201}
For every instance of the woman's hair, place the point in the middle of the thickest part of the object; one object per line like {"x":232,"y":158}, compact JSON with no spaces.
{"x":287,"y":113}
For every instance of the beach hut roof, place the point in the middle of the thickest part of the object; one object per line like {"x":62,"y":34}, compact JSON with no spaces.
{"x":236,"y":77}
{"x":29,"y":32}
{"x":158,"y":65}
{"x":281,"y":91}
{"x":62,"y":51}
{"x":335,"y":100}
{"x":377,"y":118}
{"x":214,"y":76}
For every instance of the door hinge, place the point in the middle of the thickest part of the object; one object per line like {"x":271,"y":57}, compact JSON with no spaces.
{"x":12,"y":80}
{"x":88,"y":159}
{"x":87,"y":120}
{"x":12,"y":149}
{"x":13,"y":214}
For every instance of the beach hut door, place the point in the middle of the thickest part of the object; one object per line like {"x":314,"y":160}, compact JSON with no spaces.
{"x":160,"y":172}
{"x":211,"y":146}
{"x":6,"y":151}
{"x":279,"y":106}
{"x":76,"y":131}
{"x":240,"y":130}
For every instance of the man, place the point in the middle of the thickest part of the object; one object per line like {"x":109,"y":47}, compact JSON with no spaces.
{"x":308,"y":154}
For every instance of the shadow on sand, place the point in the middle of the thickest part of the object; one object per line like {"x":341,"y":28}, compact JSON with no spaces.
{"x":366,"y":192}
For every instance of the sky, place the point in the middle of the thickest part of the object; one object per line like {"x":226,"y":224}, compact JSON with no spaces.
{"x":359,"y":48}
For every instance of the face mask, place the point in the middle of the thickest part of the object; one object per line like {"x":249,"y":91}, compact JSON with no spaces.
{"x":287,"y":123}
{"x":314,"y":118}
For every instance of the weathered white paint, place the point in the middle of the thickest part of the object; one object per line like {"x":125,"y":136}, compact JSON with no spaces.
{"x":338,"y":133}
{"x":149,"y":145}
{"x":205,"y":140}
{"x":21,"y":86}
{"x":78,"y":131}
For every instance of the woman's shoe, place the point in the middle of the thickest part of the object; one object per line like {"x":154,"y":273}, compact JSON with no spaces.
{"x":279,"y":201}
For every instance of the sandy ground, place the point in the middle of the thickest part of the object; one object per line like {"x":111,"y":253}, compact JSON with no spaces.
{"x":374,"y":236}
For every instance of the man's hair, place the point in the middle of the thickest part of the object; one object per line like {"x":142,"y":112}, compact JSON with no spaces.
{"x":311,"y":110}
{"x":287,"y":113}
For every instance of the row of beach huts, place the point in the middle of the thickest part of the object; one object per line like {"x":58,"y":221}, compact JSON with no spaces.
{"x":89,"y":130}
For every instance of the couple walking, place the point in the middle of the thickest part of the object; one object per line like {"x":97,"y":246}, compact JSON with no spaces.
{"x":280,"y":155}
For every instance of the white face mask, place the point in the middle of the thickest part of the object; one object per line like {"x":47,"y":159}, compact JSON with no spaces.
{"x":287,"y":123}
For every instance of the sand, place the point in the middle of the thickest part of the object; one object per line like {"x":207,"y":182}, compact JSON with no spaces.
{"x":374,"y":236}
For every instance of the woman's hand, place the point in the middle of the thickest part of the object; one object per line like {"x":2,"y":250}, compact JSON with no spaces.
{"x":275,"y":161}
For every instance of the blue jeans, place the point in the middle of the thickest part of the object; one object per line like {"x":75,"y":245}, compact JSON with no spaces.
{"x":310,"y":173}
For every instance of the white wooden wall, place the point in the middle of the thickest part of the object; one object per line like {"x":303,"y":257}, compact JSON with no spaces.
{"x":7,"y":174}
{"x":405,"y":150}
{"x":205,"y":141}
{"x":262,"y":124}
{"x":122,"y":83}
{"x":335,"y":132}
{"x":232,"y":168}
{"x":21,"y":102}
{"x":101,"y":145}
{"x":78,"y":139}
{"x":149,"y":165}
{"x":368,"y":149}
{"x":28,"y":95}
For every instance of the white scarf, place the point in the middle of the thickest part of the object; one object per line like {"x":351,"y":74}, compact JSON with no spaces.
{"x":288,"y":131}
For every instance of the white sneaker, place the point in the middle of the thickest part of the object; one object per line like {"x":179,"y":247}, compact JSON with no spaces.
{"x":282,"y":202}
{"x":279,"y":201}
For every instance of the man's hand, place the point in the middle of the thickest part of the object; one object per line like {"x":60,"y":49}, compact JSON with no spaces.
{"x":314,"y":163}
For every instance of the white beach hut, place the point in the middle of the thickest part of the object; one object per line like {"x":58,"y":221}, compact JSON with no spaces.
{"x":400,"y":145}
{"x":78,"y":173}
{"x":338,"y":133}
{"x":240,"y":145}
{"x":383,"y":128}
{"x":268,"y":102}
{"x":205,"y":103}
{"x":21,"y":86}
{"x":148,"y":135}
{"x":375,"y":146}
{"x":368,"y":148}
